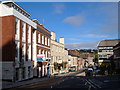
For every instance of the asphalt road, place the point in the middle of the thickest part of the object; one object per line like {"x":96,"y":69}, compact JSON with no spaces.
{"x":90,"y":83}
{"x":75,"y":80}
{"x":72,"y":82}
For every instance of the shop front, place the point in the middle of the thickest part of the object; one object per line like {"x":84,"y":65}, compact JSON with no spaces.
{"x":42,"y":66}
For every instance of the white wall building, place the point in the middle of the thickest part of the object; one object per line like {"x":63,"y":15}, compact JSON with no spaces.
{"x":105,"y":50}
{"x":58,"y":53}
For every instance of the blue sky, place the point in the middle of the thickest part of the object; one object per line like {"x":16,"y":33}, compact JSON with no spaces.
{"x":82,"y":24}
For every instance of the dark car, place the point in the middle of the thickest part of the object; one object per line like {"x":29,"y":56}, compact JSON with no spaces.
{"x":89,"y":72}
{"x":97,"y":71}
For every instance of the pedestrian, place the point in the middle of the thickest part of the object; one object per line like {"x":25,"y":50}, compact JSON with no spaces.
{"x":106,"y":72}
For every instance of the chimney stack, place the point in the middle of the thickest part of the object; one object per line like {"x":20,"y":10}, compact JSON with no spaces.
{"x":35,"y":20}
{"x":62,"y":40}
{"x":53,"y":36}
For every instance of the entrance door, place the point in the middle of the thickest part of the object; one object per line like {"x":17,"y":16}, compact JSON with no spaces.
{"x":39,"y":72}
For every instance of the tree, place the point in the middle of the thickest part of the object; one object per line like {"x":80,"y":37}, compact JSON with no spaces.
{"x":95,"y":52}
{"x":55,"y":65}
{"x":64,"y":64}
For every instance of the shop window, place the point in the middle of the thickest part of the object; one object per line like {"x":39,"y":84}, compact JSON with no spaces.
{"x":29,"y":71}
{"x":23,"y":73}
{"x":17,"y":74}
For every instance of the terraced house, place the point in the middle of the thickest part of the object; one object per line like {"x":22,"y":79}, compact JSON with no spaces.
{"x":59,"y":56}
{"x":41,"y":50}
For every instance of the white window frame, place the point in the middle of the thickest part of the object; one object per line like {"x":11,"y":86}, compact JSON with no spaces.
{"x":39,"y":51}
{"x":24,"y":32}
{"x":43,"y":52}
{"x":45,"y":40}
{"x":17,"y":29}
{"x":42,"y":39}
{"x":29,"y":52}
{"x":46,"y":54}
{"x":48,"y":42}
{"x":39,"y":38}
{"x":29,"y":34}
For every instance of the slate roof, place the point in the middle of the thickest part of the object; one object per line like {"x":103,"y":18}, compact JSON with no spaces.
{"x":109,"y":42}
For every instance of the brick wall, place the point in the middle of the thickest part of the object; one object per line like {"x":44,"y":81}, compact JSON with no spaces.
{"x":8,"y":38}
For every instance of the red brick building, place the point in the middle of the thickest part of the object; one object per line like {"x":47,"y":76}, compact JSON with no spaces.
{"x":42,"y":40}
{"x":17,"y":28}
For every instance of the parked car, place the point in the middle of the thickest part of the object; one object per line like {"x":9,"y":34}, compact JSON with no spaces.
{"x":72,"y":69}
{"x":89,"y":72}
{"x":97,"y":71}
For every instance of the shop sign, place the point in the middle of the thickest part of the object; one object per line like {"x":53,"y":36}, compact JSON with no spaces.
{"x":40,"y":58}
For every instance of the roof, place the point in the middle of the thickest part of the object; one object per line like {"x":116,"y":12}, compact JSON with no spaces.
{"x":109,"y":42}
{"x":10,"y":1}
{"x":69,"y":53}
{"x":118,"y":45}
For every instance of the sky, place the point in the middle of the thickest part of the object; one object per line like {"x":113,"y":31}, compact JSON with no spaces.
{"x":82,"y":24}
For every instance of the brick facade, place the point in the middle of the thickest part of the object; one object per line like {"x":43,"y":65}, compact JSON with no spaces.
{"x":8,"y":38}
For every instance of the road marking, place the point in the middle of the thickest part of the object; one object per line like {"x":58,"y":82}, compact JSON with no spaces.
{"x":95,"y":84}
{"x":90,"y":83}
{"x":89,"y":87}
{"x":86,"y":83}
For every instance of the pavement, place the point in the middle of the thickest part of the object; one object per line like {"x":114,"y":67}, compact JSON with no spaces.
{"x":6,"y":84}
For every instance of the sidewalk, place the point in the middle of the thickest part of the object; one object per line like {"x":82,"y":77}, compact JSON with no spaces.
{"x":6,"y":84}
{"x":71,"y":73}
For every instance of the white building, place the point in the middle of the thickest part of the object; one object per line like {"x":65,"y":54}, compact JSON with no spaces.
{"x":58,"y":54}
{"x":105,"y":50}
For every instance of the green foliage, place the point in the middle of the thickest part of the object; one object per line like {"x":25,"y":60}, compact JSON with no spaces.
{"x":95,"y":52}
{"x":87,"y":50}
{"x":57,"y":65}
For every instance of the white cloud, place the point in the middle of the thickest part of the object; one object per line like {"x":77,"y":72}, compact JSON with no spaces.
{"x":76,"y":20}
{"x":58,"y":8}
{"x":96,"y":36}
{"x":81,"y":45}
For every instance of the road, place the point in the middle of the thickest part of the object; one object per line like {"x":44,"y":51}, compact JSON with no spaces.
{"x":76,"y":80}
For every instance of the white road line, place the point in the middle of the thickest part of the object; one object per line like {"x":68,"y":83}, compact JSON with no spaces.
{"x":90,"y":84}
{"x":95,"y":84}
